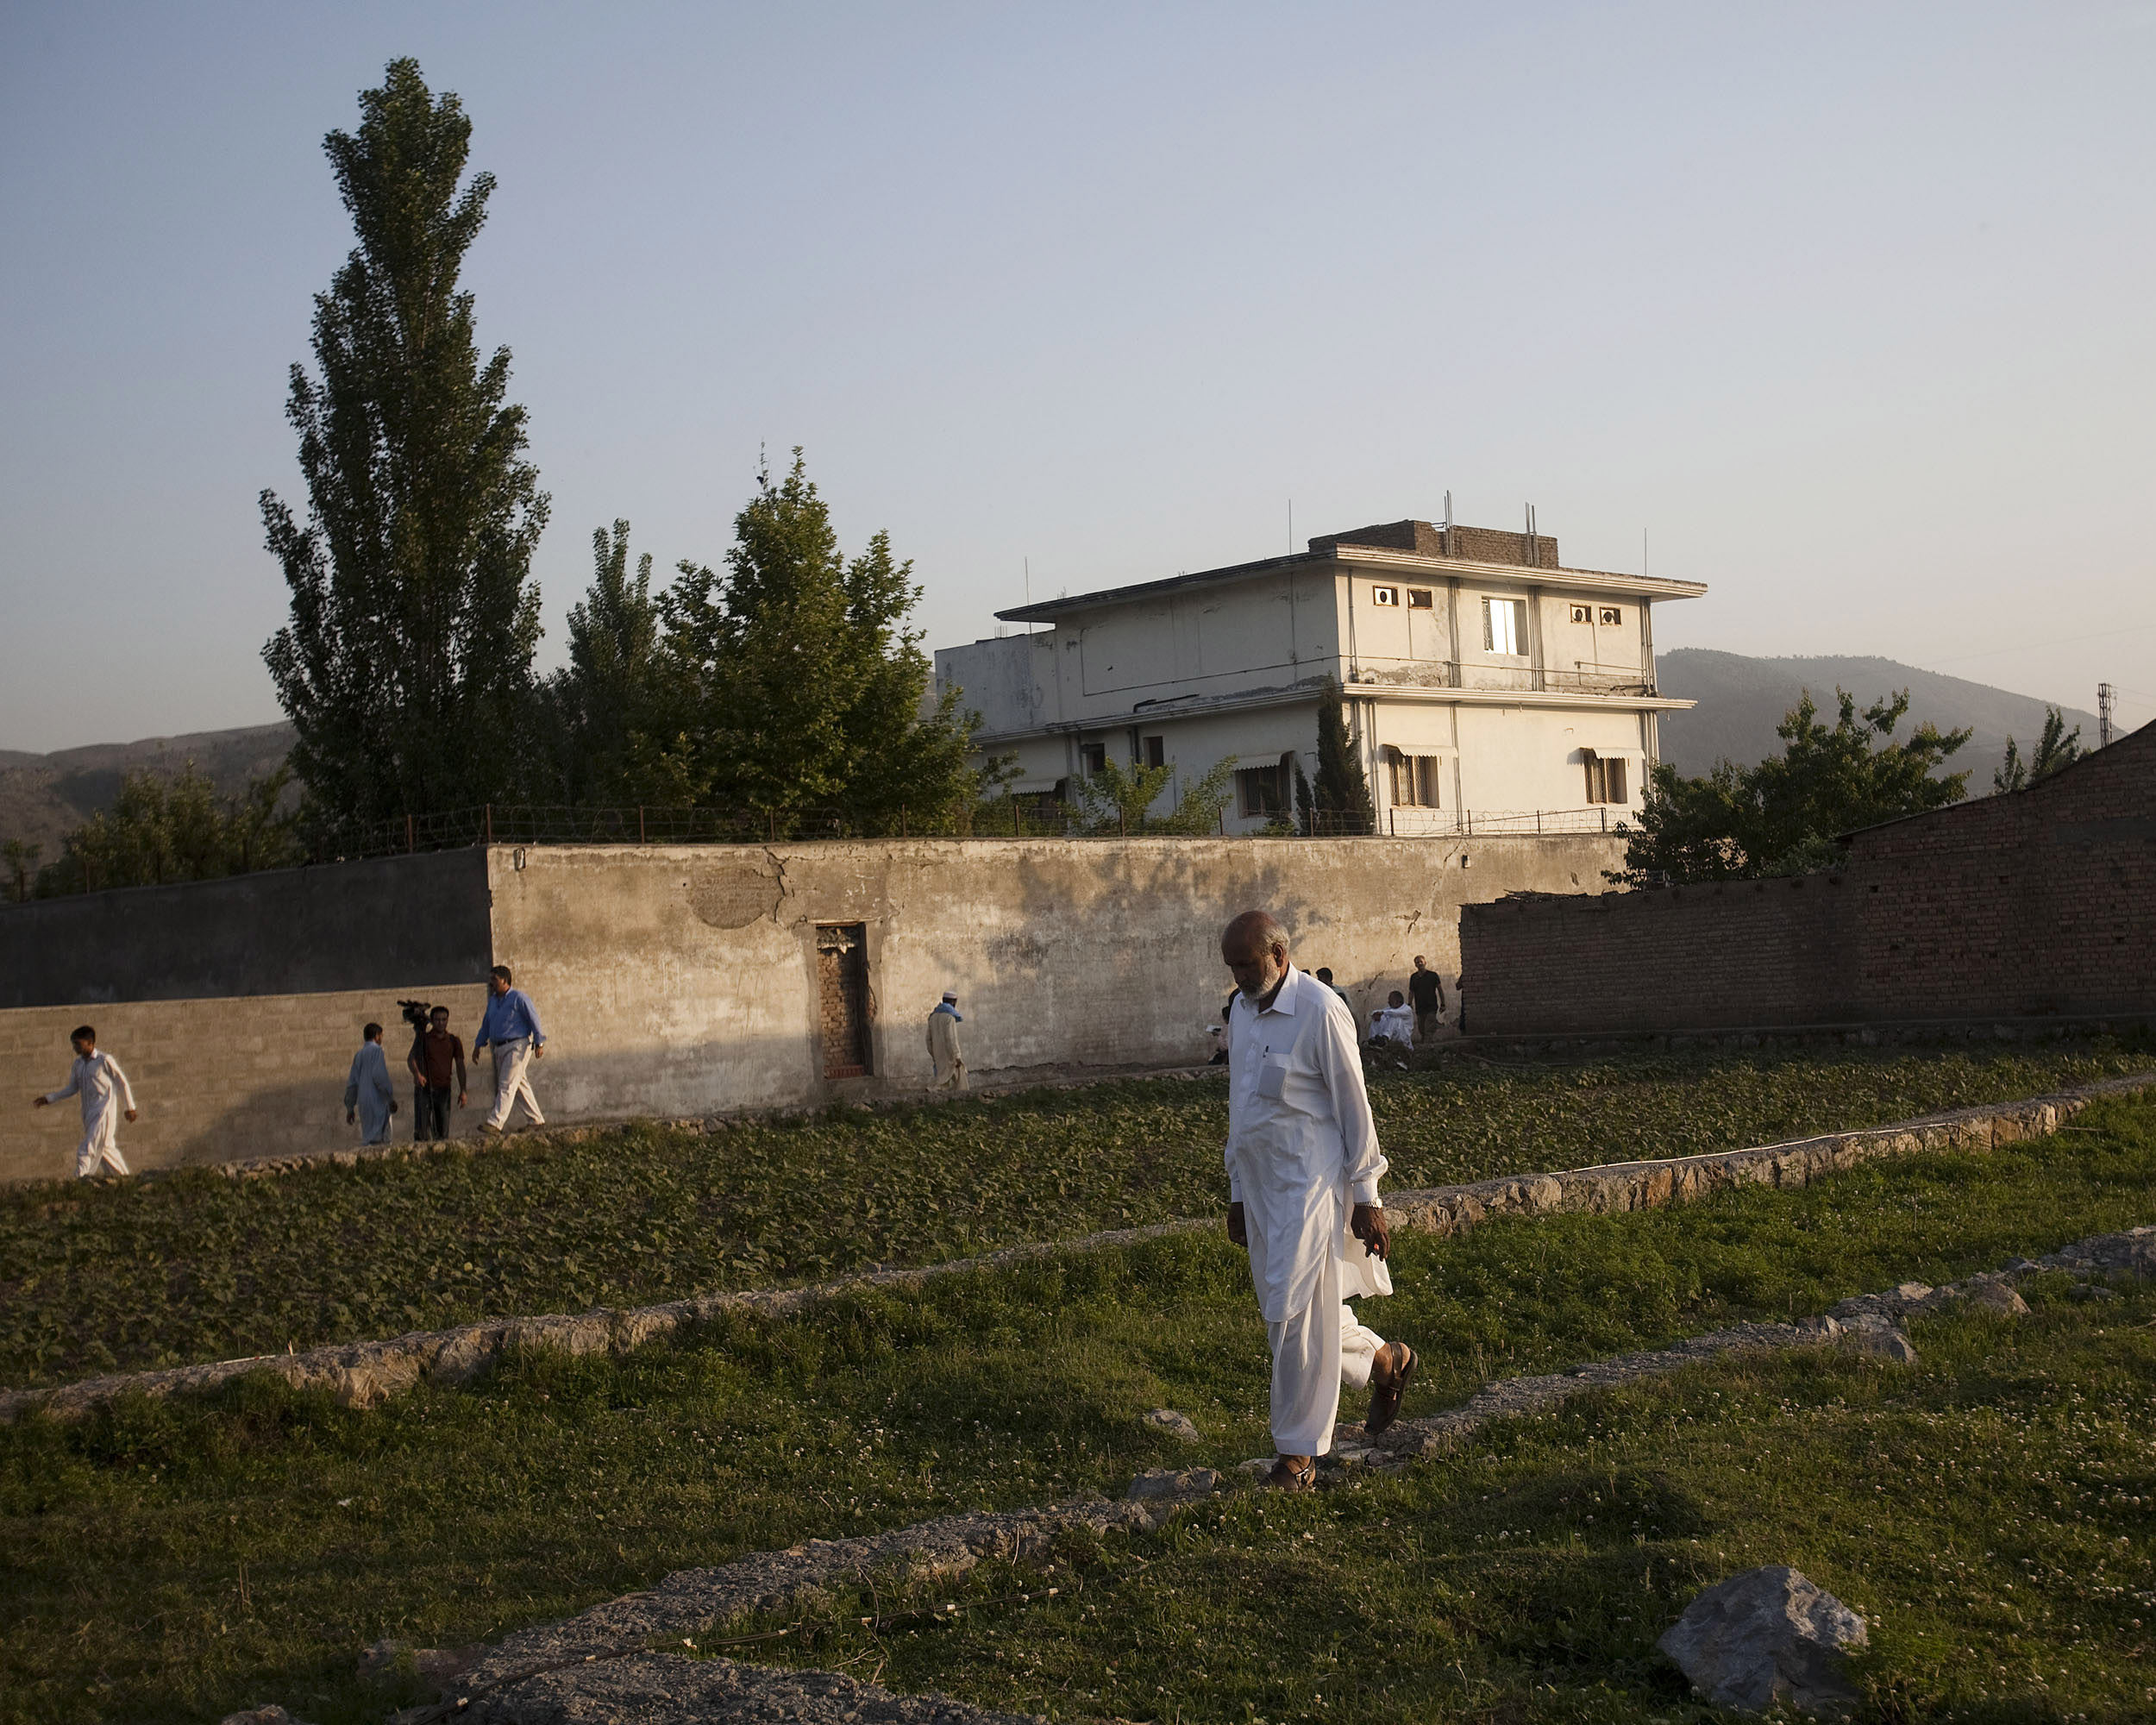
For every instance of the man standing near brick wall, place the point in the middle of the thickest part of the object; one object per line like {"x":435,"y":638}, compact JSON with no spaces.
{"x":1303,"y":1167}
{"x":1427,"y":990}
{"x":105,"y":1093}
{"x":511,"y":1025}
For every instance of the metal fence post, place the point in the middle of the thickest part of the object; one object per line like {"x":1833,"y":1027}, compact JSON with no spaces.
{"x":409,"y":846}
{"x":640,"y":822}
{"x":490,"y":823}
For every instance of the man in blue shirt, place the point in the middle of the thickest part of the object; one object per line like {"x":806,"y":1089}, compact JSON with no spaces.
{"x":511,"y":1026}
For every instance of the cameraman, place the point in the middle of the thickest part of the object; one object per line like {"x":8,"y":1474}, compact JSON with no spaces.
{"x":436,"y":1058}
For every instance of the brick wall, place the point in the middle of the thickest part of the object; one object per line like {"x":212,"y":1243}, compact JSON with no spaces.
{"x":2042,"y":903}
{"x":1473,"y":544}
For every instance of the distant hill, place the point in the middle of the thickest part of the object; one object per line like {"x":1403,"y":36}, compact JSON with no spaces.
{"x":45,"y":797}
{"x":1742,"y":700}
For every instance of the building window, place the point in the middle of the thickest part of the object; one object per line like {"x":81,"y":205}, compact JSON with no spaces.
{"x":1418,"y":599}
{"x":1261,"y":793}
{"x":842,"y":977}
{"x":1504,"y":626}
{"x":1092,"y":758}
{"x":1606,"y":778}
{"x":1414,"y":779}
{"x":1612,"y":616}
{"x":1384,"y":595}
{"x":1156,"y":751}
{"x":1582,"y":613}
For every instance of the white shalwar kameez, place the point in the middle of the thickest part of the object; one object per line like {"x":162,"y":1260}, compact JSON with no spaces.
{"x":106,"y":1096}
{"x":1303,"y":1151}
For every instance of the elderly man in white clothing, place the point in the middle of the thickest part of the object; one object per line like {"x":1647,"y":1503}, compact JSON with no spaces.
{"x":1303,"y":1167}
{"x":106,"y":1093}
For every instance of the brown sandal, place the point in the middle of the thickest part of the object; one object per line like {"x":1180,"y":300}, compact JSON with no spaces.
{"x":1385,"y":1397}
{"x":1285,"y":1479}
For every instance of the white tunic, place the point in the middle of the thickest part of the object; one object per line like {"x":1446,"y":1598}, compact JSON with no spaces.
{"x":1302,"y":1147}
{"x":105,"y":1093}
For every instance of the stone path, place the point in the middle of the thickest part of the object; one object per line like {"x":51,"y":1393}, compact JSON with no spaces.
{"x":604,"y":1664}
{"x":365,"y":1373}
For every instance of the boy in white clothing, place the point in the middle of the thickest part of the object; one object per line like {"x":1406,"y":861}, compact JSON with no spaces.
{"x":105,"y":1093}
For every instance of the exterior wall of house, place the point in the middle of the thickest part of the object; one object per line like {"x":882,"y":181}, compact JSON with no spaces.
{"x":2041,"y":903}
{"x":689,"y":980}
{"x":1118,"y":671}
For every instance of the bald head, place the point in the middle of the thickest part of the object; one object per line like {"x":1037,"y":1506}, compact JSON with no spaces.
{"x":1254,"y":947}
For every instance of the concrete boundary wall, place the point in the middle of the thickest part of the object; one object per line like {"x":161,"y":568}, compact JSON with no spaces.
{"x":691,"y":981}
{"x":364,"y":1374}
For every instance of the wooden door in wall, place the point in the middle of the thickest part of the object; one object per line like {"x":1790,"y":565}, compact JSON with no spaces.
{"x":844,"y":1002}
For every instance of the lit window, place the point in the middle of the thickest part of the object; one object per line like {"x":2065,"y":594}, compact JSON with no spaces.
{"x":1504,"y":626}
{"x":1384,"y":595}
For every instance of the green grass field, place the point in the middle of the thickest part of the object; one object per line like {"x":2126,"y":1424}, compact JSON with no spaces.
{"x":202,"y":1267}
{"x":177,"y":1561}
{"x":1989,"y":1511}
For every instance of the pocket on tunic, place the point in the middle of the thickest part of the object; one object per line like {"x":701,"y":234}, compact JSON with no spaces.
{"x":1272,"y":1079}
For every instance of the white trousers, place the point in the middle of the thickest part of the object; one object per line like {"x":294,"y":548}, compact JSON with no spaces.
{"x":512,"y":1062}
{"x":1322,"y":1348}
{"x":100,"y":1146}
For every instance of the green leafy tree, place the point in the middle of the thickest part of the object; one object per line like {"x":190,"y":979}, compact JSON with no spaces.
{"x":406,"y":667}
{"x":1780,"y":816}
{"x":809,"y":688}
{"x":616,"y":713}
{"x":1113,"y":800}
{"x":1203,"y":802}
{"x":161,"y":830}
{"x":1338,"y":801}
{"x":2058,"y":747}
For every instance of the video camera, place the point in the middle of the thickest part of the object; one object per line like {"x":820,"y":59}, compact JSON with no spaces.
{"x":415,"y":1013}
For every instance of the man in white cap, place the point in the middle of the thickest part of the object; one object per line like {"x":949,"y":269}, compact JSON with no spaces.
{"x":943,"y":1044}
{"x":1303,"y":1168}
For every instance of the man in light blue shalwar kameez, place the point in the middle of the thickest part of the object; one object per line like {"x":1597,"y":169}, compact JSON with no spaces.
{"x":368,"y":1097}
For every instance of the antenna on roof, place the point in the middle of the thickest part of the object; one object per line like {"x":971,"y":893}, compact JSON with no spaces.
{"x":1448,"y":524}
{"x":1291,"y":527}
{"x":2104,"y":715}
{"x":1029,"y":593}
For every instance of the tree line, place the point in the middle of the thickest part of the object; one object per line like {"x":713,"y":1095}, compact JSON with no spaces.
{"x":1783,"y":815}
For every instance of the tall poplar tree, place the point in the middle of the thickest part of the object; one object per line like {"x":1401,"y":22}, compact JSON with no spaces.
{"x":406,"y":668}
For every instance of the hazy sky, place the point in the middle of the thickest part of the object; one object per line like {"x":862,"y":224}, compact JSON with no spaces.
{"x":1848,"y":308}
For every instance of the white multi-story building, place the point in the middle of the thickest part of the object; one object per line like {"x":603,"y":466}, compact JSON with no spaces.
{"x":1487,"y":689}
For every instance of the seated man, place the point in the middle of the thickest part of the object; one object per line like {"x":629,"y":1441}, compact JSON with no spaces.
{"x":1393,"y":1023}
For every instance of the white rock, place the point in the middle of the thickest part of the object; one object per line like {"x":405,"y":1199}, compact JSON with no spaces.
{"x":1175,"y":1425}
{"x":1767,"y":1636}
